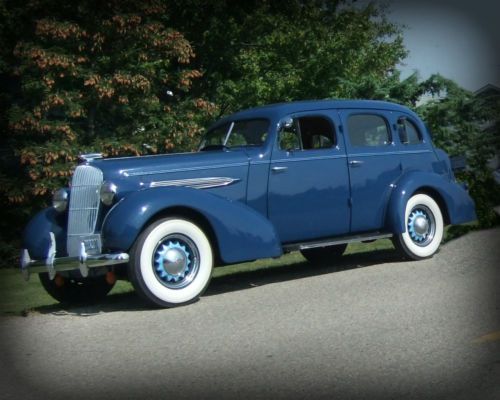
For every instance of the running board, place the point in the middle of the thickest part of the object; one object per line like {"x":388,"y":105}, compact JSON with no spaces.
{"x":334,"y":241}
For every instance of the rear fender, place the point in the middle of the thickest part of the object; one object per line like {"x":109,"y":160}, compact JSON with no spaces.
{"x":242,"y":234}
{"x":459,"y":207}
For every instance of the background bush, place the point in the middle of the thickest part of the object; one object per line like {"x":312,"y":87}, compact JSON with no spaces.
{"x":98,"y":76}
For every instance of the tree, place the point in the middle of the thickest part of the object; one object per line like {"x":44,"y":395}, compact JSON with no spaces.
{"x":95,"y":76}
{"x":464,"y":124}
{"x":263,"y":52}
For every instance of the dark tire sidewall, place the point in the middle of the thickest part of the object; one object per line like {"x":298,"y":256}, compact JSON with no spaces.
{"x":85,"y":290}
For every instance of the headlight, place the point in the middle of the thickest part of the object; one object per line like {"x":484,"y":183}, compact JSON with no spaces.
{"x":60,"y":200}
{"x":107,"y":193}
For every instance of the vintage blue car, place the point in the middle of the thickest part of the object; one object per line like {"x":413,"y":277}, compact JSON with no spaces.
{"x":311,"y":176}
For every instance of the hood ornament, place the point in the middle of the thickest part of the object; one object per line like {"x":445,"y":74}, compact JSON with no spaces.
{"x":88,"y":157}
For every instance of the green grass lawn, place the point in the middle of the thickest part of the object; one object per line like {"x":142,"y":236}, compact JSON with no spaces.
{"x":19,"y":297}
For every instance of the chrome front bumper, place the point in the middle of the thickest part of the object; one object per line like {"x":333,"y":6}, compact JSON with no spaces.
{"x":83,"y":262}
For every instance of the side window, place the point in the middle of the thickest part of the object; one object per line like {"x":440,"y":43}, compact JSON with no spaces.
{"x":248,"y":133}
{"x":408,"y":132}
{"x":289,"y":137}
{"x":368,"y":130}
{"x":307,"y":133}
{"x":316,"y":133}
{"x":216,"y":136}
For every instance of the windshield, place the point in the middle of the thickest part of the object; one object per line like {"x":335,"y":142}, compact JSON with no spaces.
{"x":252,"y":132}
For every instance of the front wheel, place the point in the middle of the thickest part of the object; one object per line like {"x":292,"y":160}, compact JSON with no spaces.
{"x":424,"y":228}
{"x":171,"y":262}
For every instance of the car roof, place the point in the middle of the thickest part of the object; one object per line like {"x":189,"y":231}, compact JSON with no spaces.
{"x":279,"y":110}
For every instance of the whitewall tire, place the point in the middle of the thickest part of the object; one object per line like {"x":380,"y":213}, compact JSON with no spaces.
{"x":424,"y":228}
{"x":171,"y":262}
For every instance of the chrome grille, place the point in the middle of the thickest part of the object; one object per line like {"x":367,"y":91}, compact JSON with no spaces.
{"x":84,"y":205}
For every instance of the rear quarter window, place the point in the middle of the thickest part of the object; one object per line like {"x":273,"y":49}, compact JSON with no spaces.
{"x":408,"y":132}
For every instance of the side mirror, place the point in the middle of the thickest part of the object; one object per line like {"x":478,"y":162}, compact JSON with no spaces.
{"x":286,"y":123}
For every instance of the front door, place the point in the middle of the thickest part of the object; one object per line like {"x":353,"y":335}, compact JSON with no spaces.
{"x":308,"y":179}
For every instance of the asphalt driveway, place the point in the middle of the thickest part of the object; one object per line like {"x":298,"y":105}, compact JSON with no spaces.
{"x":370,"y":327}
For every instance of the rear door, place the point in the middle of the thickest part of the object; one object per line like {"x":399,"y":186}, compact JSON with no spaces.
{"x":374,"y":165}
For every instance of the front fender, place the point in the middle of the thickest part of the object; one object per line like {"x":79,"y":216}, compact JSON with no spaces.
{"x":242,"y":233}
{"x":459,"y":205}
{"x":36,"y":235}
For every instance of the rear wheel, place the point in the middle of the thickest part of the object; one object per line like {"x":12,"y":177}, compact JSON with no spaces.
{"x":171,"y":262}
{"x":84,"y":290}
{"x":424,"y":228}
{"x":323,"y":255}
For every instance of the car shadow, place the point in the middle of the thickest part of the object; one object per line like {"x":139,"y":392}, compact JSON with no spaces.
{"x":230,"y":283}
{"x":266,"y":276}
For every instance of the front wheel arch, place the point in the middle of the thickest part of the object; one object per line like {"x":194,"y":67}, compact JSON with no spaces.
{"x":242,"y":232}
{"x":193,"y":216}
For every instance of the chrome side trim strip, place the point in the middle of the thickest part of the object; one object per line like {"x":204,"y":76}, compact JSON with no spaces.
{"x":197,"y":183}
{"x":388,"y":153}
{"x":167,"y":171}
{"x":291,"y":159}
{"x":335,"y":241}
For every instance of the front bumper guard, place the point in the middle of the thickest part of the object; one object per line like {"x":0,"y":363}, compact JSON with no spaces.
{"x":83,"y":262}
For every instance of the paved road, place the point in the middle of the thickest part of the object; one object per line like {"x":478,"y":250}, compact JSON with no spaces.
{"x":373,"y":327}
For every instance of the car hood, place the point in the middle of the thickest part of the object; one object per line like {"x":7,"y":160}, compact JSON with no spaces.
{"x":129,"y":173}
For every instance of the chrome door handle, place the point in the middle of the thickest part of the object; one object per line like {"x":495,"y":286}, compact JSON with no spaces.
{"x":279,"y":169}
{"x":355,"y":163}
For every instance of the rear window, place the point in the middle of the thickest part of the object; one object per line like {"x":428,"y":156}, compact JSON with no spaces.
{"x":368,"y":130}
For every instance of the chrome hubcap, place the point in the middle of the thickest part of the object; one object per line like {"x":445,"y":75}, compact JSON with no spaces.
{"x":421,"y":225}
{"x":176,"y":261}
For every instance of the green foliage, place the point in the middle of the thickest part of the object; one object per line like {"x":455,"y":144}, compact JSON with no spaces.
{"x":94,"y":77}
{"x":263,"y":52}
{"x":464,"y":124}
